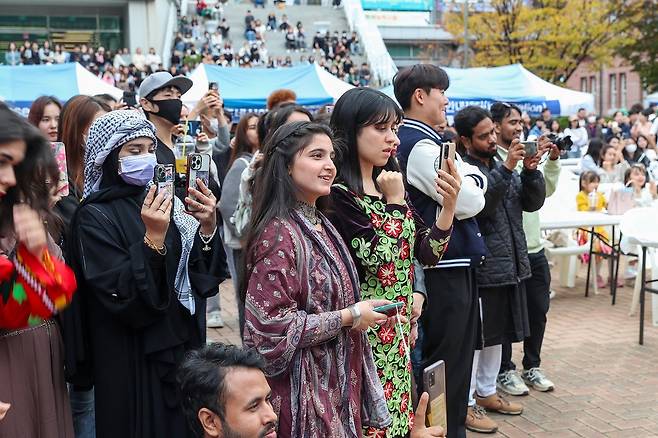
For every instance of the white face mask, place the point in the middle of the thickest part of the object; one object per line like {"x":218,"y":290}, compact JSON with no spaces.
{"x":631,"y":148}
{"x":214,"y":126}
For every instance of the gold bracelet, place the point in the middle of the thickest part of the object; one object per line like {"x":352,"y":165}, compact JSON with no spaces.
{"x":162,"y":250}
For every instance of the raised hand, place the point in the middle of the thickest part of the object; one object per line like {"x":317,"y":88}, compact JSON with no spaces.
{"x":420,"y":430}
{"x":29,"y":229}
{"x":515,"y":153}
{"x":448,"y":185}
{"x":203,"y":203}
{"x":392,"y":186}
{"x":156,"y":214}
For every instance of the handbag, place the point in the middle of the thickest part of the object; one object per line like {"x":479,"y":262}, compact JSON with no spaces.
{"x":621,"y":201}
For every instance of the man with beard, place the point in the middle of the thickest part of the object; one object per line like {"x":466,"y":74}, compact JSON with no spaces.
{"x":225,"y":393}
{"x":500,"y":279}
{"x":507,"y":120}
{"x":448,"y":327}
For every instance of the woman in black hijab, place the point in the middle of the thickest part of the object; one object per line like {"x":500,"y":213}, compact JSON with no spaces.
{"x":147,"y":267}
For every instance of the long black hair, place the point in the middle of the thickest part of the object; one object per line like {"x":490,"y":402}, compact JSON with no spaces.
{"x":32,"y":174}
{"x":279,"y":116}
{"x":594,"y":150}
{"x":275,"y":193}
{"x":356,"y":109}
{"x":242,"y":143}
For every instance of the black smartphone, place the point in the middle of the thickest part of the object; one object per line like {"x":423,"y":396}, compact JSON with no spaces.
{"x":194,"y":127}
{"x":198,"y":166}
{"x":130,"y":99}
{"x":448,"y":150}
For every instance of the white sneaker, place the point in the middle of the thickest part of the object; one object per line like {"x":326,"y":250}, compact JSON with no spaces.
{"x":214,"y":320}
{"x":551,"y":295}
{"x":511,"y":383}
{"x":535,"y":377}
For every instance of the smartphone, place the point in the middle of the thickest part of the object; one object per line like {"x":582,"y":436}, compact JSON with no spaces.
{"x":434,"y":383}
{"x":198,"y":166}
{"x":193,"y":127}
{"x":389,"y":309}
{"x":59,"y":150}
{"x":163,"y":177}
{"x":447,"y":151}
{"x":129,"y":99}
{"x":214,"y":86}
{"x":530,"y":147}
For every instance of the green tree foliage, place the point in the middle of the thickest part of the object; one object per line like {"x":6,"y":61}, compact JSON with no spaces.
{"x":549,"y":37}
{"x":642,"y":50}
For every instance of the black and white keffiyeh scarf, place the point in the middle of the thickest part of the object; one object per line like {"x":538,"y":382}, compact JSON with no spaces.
{"x":112,"y":131}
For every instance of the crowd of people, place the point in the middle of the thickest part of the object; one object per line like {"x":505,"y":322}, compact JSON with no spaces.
{"x":195,"y":44}
{"x":207,"y":38}
{"x":319,"y":220}
{"x":121,"y":69}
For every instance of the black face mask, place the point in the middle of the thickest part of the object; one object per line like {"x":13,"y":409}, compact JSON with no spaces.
{"x":169,"y":109}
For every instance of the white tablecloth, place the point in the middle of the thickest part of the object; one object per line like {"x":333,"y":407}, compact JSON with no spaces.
{"x":552,"y":220}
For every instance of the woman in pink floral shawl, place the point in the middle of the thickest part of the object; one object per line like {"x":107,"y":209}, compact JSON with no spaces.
{"x":303,"y":311}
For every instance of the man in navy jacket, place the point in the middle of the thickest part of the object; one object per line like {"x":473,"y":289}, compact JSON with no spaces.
{"x":450,"y":323}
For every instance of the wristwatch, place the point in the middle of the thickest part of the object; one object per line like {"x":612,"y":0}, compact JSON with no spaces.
{"x":356,"y":314}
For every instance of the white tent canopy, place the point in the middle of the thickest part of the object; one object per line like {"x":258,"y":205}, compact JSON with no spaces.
{"x":21,"y":85}
{"x":511,"y":83}
{"x":248,"y":89}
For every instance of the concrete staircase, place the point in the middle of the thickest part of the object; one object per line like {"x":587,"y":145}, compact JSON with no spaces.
{"x":314,"y":18}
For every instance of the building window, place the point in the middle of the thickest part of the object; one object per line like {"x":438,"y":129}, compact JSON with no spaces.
{"x":94,"y":29}
{"x":583,"y":84}
{"x":622,"y":89}
{"x":592,"y":87}
{"x":613,"y":91}
{"x":401,"y":50}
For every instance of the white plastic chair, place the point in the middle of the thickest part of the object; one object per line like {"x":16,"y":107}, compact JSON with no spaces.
{"x":636,"y":224}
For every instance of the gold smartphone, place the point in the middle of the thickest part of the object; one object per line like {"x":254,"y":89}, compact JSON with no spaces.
{"x":434,"y":383}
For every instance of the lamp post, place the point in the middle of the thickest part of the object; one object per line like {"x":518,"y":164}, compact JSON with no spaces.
{"x":465,"y":11}
{"x":465,"y":47}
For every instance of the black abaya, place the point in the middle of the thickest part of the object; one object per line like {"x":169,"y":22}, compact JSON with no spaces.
{"x":138,"y":331}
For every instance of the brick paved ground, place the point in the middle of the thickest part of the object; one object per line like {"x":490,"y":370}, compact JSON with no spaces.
{"x":606,"y":384}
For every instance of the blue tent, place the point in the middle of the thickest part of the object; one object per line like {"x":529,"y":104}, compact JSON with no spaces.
{"x":511,"y":83}
{"x":21,"y":85}
{"x":248,"y":89}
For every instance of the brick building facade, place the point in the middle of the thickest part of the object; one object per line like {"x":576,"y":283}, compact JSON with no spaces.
{"x":614,"y":86}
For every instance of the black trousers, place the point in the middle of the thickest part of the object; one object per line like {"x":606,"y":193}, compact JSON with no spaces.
{"x":451,"y":332}
{"x":538,"y":299}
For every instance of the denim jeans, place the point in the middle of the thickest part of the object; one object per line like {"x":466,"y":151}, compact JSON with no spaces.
{"x":417,"y":357}
{"x":84,"y":414}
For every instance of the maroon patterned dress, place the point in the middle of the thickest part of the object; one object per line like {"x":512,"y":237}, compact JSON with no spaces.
{"x":323,"y":376}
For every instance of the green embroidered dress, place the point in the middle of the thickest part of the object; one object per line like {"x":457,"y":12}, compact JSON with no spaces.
{"x":383,"y":240}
